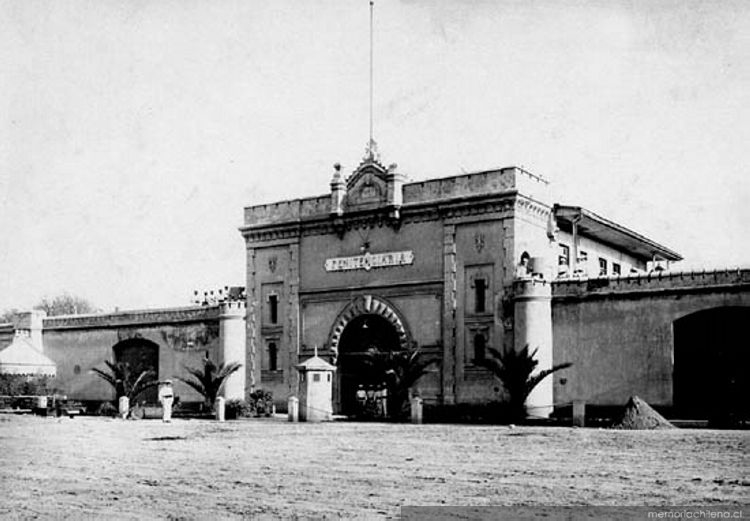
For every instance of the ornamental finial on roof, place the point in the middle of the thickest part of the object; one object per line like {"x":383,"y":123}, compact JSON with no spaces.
{"x":371,"y":152}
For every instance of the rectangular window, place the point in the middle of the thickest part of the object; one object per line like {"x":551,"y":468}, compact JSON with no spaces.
{"x":616,"y":269}
{"x":480,"y":347}
{"x":273,"y":356}
{"x":602,"y":266}
{"x":564,"y":258}
{"x":273,"y":309}
{"x":316,"y":377}
{"x":477,"y":289}
{"x":480,"y":291}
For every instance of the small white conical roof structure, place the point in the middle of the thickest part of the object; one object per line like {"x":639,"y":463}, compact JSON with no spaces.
{"x":21,"y":357}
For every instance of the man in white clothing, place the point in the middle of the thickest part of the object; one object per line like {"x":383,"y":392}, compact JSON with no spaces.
{"x":166,"y":397}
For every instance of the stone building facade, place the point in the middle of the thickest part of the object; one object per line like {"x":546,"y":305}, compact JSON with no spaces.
{"x":452,"y":265}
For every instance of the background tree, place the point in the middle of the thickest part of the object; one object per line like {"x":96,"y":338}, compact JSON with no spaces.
{"x":9,"y":316}
{"x":66,"y":304}
{"x":125,"y":381}
{"x":209,"y":380}
{"x":514,"y":369}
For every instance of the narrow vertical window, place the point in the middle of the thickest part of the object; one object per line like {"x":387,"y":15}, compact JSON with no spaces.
{"x":273,"y":308}
{"x":602,"y":266}
{"x":564,"y":258}
{"x":272,"y":356}
{"x":480,"y":347}
{"x":480,"y":292}
{"x":616,"y":269}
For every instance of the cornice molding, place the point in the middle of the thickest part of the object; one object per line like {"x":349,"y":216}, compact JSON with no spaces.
{"x":502,"y":205}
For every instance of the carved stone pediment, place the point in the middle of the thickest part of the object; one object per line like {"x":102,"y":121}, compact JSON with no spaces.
{"x":367,"y":187}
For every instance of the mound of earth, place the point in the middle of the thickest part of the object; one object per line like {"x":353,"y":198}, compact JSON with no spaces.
{"x":640,"y":415}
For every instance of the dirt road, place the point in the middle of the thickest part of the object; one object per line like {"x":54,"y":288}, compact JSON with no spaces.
{"x":96,"y":467}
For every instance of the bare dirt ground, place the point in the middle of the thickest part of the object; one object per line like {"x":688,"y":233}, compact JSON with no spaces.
{"x":192,"y":469}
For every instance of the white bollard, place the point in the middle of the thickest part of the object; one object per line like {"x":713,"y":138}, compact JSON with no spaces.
{"x":416,"y":409}
{"x":124,"y":407}
{"x":293,"y":409}
{"x":579,"y":413}
{"x":220,"y":407}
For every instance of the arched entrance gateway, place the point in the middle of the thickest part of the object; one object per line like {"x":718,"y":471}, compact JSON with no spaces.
{"x":140,"y":355}
{"x":712,"y":365}
{"x":367,"y":327}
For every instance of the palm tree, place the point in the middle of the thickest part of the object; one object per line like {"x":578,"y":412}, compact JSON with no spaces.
{"x":513,"y":368}
{"x":209,"y":380}
{"x":401,"y":370}
{"x":126,"y":382}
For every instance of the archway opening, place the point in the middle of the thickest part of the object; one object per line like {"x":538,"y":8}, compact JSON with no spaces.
{"x":363,"y":338}
{"x":711,"y":365}
{"x":140,"y":355}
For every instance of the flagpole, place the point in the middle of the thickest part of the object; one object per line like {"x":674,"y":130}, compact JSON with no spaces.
{"x":372,"y":3}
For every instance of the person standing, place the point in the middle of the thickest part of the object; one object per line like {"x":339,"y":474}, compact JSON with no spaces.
{"x":166,"y":397}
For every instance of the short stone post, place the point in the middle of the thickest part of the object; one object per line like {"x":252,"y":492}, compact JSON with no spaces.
{"x":293,"y":409}
{"x":220,"y":407}
{"x":41,"y":405}
{"x":124,"y":406}
{"x":416,"y":409}
{"x":579,"y":413}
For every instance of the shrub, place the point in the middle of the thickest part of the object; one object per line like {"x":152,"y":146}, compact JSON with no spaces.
{"x":21,"y":384}
{"x":107,"y":409}
{"x":236,"y":408}
{"x":261,"y":402}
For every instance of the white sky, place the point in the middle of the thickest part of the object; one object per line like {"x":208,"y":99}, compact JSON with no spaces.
{"x":132,"y":133}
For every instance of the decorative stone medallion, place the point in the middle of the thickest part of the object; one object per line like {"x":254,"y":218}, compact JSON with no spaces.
{"x":479,"y":241}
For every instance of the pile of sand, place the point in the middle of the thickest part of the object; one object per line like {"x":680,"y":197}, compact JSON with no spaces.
{"x":639,"y":415}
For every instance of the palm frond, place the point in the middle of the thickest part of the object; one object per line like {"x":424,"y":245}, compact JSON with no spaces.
{"x":209,"y":379}
{"x":146,"y":380}
{"x":197,"y":385}
{"x":224,"y":372}
{"x":534,"y":380}
{"x":105,"y":376}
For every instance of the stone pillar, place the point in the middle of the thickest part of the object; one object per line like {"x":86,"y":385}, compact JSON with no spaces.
{"x":220,"y":407}
{"x":123,"y":406}
{"x":449,"y":315}
{"x":416,"y":409}
{"x":533,"y":327}
{"x":338,"y":191}
{"x":33,"y":322}
{"x":394,"y":189}
{"x":293,"y":409}
{"x":232,"y":346}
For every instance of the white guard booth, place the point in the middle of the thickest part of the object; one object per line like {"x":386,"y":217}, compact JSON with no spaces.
{"x":316,"y":389}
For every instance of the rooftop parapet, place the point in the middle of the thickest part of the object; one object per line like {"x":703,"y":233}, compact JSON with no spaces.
{"x":651,"y":282}
{"x":434,"y":190}
{"x":233,"y":308}
{"x":133,"y":317}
